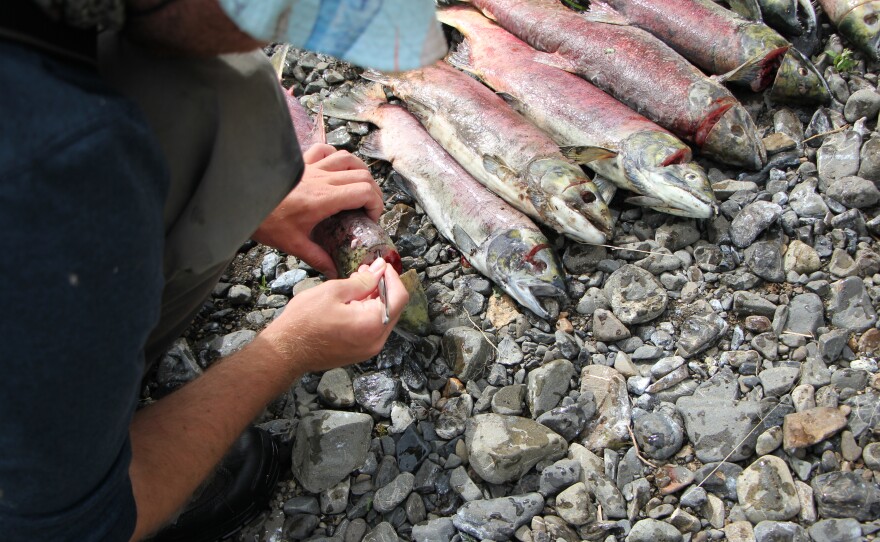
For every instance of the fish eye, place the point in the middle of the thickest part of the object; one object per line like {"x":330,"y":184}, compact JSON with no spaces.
{"x":803,"y":72}
{"x":690,"y":177}
{"x":871,"y":19}
{"x":588,"y":197}
{"x":737,"y":130}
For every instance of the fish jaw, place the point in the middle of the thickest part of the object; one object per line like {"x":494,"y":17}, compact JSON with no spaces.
{"x":798,"y":80}
{"x":862,"y":27}
{"x":734,"y":140}
{"x":523,"y":263}
{"x":659,"y":166}
{"x":569,"y":201}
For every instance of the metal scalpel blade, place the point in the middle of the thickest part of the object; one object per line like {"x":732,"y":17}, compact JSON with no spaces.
{"x":383,"y":297}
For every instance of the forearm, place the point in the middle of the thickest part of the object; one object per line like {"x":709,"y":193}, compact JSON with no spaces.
{"x":187,"y":27}
{"x":177,"y":441}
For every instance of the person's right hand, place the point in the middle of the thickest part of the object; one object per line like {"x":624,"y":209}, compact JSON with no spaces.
{"x":338,"y":322}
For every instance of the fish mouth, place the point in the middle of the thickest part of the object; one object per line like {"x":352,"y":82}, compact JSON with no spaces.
{"x":572,"y":201}
{"x":524,"y":264}
{"x":862,"y":27}
{"x":734,"y":140}
{"x":798,"y":80}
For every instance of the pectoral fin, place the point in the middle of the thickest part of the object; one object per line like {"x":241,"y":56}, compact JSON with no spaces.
{"x":555,"y":60}
{"x":463,"y":241}
{"x":587,"y":154}
{"x":498,"y":167}
{"x":600,"y":12}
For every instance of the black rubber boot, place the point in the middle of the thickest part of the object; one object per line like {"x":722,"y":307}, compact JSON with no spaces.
{"x":240,"y":489}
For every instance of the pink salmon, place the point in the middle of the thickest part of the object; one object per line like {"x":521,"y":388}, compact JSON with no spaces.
{"x":722,"y":43}
{"x":504,"y":151}
{"x":639,"y":70}
{"x":649,"y":161}
{"x":497,"y":240}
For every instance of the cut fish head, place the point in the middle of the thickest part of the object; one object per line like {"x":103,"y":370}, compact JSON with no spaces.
{"x":798,"y":80}
{"x":862,"y":27}
{"x":569,"y":201}
{"x":660,"y":167}
{"x":524,"y":264}
{"x":734,"y":140}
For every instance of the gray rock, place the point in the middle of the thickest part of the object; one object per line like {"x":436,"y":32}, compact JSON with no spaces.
{"x":610,"y":428}
{"x":336,"y":388}
{"x":580,"y":259}
{"x":567,"y":421}
{"x":498,"y":519}
{"x":329,"y":445}
{"x":850,"y":307}
{"x":836,"y":530}
{"x":839,"y":155}
{"x":575,"y":506}
{"x":435,"y":530}
{"x":635,"y":295}
{"x":286,"y":281}
{"x":854,"y":192}
{"x":801,"y":258}
{"x":806,"y":314}
{"x":239,"y":294}
{"x":463,"y":485}
{"x":509,"y":352}
{"x":548,"y":384}
{"x":870,"y":160}
{"x":865,"y":412}
{"x":606,"y":493}
{"x":230,"y":343}
{"x":504,"y":448}
{"x":659,"y":434}
{"x":752,"y":220}
{"x":694,"y":497}
{"x":719,"y":478}
{"x":846,"y":495}
{"x":718,"y":427}
{"x":780,"y":531}
{"x":769,"y":440}
{"x":509,"y":400}
{"x":607,"y":328}
{"x":454,"y":416}
{"x":558,"y":476}
{"x":862,"y":103}
{"x":178,"y":366}
{"x":700,"y":332}
{"x":764,"y":259}
{"x":748,"y":304}
{"x":376,"y":392}
{"x":335,"y":499}
{"x":777,"y":381}
{"x":871,"y":455}
{"x":805,"y":202}
{"x":467,"y":352}
{"x":269,"y":263}
{"x":766,"y":491}
{"x":652,"y":530}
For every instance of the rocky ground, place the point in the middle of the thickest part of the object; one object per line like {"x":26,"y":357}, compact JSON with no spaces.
{"x":708,"y":380}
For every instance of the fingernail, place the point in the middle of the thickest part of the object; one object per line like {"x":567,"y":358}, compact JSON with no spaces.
{"x":377,"y":264}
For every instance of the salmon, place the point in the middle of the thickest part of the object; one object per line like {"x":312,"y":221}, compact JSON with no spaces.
{"x":497,"y":240}
{"x":858,"y":21}
{"x":640,"y":71}
{"x":504,"y":151}
{"x":649,"y":161}
{"x":722,"y":43}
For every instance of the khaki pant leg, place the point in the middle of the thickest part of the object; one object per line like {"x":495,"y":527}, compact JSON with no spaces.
{"x":224,"y":128}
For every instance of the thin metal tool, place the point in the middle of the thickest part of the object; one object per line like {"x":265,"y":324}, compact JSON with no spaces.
{"x":383,"y":296}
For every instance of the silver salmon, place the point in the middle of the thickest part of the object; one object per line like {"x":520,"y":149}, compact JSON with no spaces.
{"x":502,"y":150}
{"x":650,"y":161}
{"x":858,"y":21}
{"x":499,"y":241}
{"x":640,"y":71}
{"x":722,"y":43}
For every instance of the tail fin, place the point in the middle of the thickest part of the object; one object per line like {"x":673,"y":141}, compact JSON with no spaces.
{"x":461,"y":57}
{"x":359,"y":104}
{"x":277,"y":59}
{"x":378,"y":77}
{"x":371,"y":146}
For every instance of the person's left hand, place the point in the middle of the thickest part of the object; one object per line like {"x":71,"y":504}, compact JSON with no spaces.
{"x":333,"y":181}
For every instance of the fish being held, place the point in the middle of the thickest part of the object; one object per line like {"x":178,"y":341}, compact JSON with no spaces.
{"x":650,"y":161}
{"x":504,"y":151}
{"x":499,"y":241}
{"x":722,"y":43}
{"x":858,"y":21}
{"x":639,"y":70}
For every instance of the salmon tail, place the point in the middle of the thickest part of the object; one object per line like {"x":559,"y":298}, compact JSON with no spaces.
{"x":600,"y":12}
{"x":376,"y":76}
{"x":359,"y":104}
{"x":371,"y":146}
{"x":277,"y":59}
{"x":461,"y":57}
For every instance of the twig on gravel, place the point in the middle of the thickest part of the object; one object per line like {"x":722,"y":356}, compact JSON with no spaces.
{"x":483,"y":333}
{"x":807,"y":335}
{"x":738,"y":444}
{"x":636,"y":448}
{"x":612,"y":247}
{"x":829,"y":132}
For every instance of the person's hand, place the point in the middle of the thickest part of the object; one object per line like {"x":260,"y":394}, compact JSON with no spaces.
{"x":333,"y":181}
{"x":338,"y":322}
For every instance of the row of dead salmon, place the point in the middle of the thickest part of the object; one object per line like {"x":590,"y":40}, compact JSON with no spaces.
{"x":524,"y":133}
